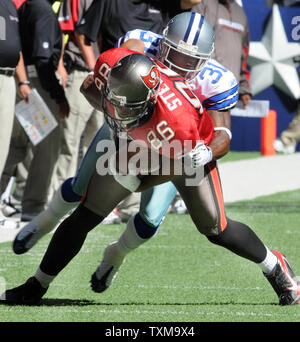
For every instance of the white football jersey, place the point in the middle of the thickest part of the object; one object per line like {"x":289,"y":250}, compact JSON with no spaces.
{"x":215,"y":86}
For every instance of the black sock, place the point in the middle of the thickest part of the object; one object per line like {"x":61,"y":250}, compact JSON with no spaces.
{"x":68,"y":239}
{"x":241,"y":240}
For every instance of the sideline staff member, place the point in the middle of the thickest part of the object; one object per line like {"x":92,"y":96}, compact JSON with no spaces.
{"x":11,"y":63}
{"x":108,"y":20}
{"x":41,"y":40}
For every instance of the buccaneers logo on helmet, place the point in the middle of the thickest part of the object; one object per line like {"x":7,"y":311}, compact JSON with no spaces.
{"x":152,"y":79}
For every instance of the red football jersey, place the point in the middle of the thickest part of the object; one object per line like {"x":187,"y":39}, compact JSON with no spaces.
{"x":178,"y":121}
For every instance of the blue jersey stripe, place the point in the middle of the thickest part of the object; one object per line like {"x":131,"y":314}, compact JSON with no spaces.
{"x":121,"y":41}
{"x":188,"y":31}
{"x":224,"y":95}
{"x":222,"y":105}
{"x":198,"y":31}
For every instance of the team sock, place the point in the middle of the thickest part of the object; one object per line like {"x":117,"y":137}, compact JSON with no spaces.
{"x":68,"y":239}
{"x":43,"y":278}
{"x":130,"y":239}
{"x":136,"y":233}
{"x":269,"y":263}
{"x":242,"y":240}
{"x":47,"y":220}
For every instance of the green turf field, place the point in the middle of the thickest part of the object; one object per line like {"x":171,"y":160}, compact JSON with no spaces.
{"x":178,"y":276}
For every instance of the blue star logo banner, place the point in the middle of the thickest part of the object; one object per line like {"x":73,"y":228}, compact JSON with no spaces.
{"x":272,"y":59}
{"x":274,"y":66}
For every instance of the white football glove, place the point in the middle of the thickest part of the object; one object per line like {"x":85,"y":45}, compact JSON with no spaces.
{"x":198,"y":156}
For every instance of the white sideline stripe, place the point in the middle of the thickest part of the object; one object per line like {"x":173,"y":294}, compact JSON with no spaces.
{"x":168,"y":287}
{"x":251,"y":178}
{"x":165,"y":312}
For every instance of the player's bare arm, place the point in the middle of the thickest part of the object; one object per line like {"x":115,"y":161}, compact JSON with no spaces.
{"x":220,"y":144}
{"x":134,"y":45}
{"x":87,"y":50}
{"x":91,"y":92}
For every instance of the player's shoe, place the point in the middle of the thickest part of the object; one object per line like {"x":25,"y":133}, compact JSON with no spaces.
{"x":112,"y":218}
{"x":284,"y":281}
{"x":178,"y":207}
{"x":8,"y":223}
{"x":8,"y":209}
{"x":7,"y":220}
{"x":26,"y":238}
{"x":281,"y":147}
{"x":29,"y":293}
{"x":107,"y":271}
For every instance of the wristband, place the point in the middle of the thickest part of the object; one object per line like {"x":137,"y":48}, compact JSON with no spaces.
{"x":227,"y":130}
{"x":23,"y":83}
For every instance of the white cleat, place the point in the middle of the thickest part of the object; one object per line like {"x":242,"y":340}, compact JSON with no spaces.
{"x":112,"y":218}
{"x":281,"y":147}
{"x":8,"y":223}
{"x":107,"y":271}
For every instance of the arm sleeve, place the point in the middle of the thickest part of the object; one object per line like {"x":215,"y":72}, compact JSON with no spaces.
{"x":90,"y":24}
{"x":244,"y":85}
{"x":46,"y":53}
{"x":48,"y":79}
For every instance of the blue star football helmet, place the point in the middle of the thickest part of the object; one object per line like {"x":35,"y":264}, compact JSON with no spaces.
{"x":187,"y":43}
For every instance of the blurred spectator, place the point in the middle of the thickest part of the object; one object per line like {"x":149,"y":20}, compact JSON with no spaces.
{"x":11,"y":63}
{"x":289,"y":138}
{"x":41,"y":40}
{"x":231,"y":39}
{"x":70,"y":13}
{"x":108,"y":20}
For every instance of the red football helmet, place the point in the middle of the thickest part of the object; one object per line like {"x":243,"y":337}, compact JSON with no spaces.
{"x":130,"y":92}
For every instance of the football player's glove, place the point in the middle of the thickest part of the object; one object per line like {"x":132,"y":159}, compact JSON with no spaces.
{"x":198,"y":156}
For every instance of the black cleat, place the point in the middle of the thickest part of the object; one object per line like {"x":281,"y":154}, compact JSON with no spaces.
{"x":26,"y":238}
{"x":284,"y":281}
{"x":106,"y":278}
{"x":29,"y":293}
